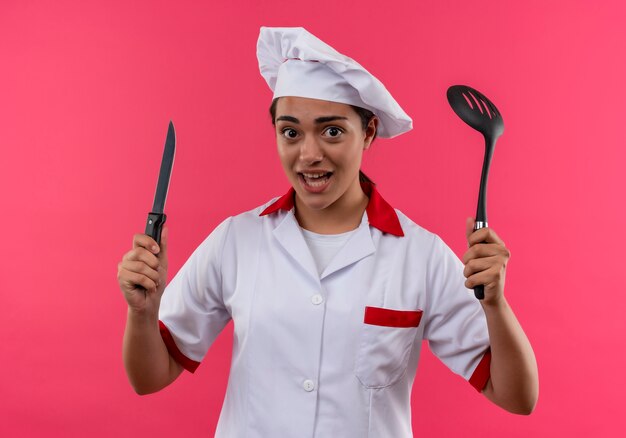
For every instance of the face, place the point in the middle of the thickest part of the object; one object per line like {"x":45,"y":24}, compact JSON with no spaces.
{"x":320,"y":145}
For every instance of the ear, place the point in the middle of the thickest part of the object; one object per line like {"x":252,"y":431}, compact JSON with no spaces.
{"x":370,"y":132}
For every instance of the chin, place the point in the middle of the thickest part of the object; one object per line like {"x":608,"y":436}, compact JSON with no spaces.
{"x":315,"y":202}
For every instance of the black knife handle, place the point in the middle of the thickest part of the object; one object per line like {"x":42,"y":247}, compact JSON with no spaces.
{"x":154,"y":225}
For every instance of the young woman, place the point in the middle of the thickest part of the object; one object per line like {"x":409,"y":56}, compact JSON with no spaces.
{"x":331,"y":290}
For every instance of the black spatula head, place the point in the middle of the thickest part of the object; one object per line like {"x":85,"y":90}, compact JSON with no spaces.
{"x":476,"y":110}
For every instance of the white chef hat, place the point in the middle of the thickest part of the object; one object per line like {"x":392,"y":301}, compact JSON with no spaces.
{"x":295,"y":62}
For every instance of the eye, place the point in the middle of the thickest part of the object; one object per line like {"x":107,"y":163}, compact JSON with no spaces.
{"x":333,"y":131}
{"x":289,"y":133}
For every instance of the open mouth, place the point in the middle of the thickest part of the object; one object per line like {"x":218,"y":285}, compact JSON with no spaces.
{"x":315,"y":179}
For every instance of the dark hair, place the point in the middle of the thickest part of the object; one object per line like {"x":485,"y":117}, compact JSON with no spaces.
{"x":365,"y":115}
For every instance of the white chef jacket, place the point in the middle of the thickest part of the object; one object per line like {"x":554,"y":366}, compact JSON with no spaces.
{"x":330,"y":355}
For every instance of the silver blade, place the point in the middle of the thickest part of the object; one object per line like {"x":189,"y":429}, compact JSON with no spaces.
{"x":166,"y":170}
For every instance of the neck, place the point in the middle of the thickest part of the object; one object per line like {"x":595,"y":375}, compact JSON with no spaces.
{"x":343,"y":215}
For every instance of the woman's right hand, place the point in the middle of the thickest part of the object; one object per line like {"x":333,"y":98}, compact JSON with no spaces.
{"x":142,"y":273}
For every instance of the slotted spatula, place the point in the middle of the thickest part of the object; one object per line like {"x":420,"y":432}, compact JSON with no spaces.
{"x":481,"y":114}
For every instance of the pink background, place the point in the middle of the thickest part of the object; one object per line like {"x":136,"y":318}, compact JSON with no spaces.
{"x":86,"y":92}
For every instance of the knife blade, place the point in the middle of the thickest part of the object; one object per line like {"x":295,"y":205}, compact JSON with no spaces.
{"x":156,"y":218}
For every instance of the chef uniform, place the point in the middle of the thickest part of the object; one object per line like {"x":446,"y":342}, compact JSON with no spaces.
{"x":327,"y":329}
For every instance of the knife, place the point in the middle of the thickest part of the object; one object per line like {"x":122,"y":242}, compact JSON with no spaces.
{"x":156,"y":218}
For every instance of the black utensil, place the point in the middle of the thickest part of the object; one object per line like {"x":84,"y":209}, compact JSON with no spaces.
{"x":481,"y":114}
{"x":156,"y":218}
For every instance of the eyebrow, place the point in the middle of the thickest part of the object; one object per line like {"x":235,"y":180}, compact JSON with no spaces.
{"x":318,"y":120}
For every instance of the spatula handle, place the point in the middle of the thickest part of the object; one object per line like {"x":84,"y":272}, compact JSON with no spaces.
{"x":479,"y":291}
{"x":481,"y":210}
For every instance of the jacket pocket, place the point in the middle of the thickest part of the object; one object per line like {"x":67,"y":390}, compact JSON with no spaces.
{"x":385,"y":344}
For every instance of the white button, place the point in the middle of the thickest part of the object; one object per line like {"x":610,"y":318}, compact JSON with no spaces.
{"x":317,"y":299}
{"x":308,"y":385}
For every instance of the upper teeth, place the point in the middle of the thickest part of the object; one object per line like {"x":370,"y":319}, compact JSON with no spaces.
{"x":313,"y":175}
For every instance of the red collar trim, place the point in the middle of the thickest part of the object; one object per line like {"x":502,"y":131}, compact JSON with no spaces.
{"x":379,"y":213}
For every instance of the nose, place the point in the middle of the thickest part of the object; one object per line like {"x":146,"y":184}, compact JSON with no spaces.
{"x":311,"y":151}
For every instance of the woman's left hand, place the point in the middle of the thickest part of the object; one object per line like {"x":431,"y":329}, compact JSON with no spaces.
{"x":485,"y":261}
